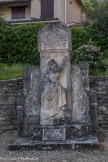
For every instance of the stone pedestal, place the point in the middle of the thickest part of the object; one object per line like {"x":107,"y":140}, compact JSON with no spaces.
{"x":58,"y":138}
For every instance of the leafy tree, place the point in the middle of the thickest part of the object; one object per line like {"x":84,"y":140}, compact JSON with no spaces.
{"x":98,"y":13}
{"x":97,"y":18}
{"x":3,"y":26}
{"x":90,"y":4}
{"x":3,"y":33}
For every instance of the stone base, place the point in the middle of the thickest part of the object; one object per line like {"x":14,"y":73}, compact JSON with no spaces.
{"x":68,"y":132}
{"x":26,"y":143}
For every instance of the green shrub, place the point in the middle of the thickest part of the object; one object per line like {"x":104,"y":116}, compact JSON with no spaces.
{"x":89,"y":54}
{"x":3,"y":27}
{"x":79,"y":37}
{"x":99,"y":38}
{"x":21,"y":45}
{"x":98,"y":25}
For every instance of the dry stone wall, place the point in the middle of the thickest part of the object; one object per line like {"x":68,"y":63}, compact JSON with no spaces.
{"x":11,"y":97}
{"x":100,"y":85}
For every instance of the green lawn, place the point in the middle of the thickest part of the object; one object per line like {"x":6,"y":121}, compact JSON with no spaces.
{"x":16,"y":70}
{"x":10,"y":72}
{"x":105,"y":61}
{"x":96,"y":72}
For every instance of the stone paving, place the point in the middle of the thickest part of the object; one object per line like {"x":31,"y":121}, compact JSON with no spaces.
{"x":83,"y":155}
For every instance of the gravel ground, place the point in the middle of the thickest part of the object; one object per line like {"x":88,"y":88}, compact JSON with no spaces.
{"x":86,"y":155}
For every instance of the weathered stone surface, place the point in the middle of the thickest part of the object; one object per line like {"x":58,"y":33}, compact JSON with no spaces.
{"x":60,"y":38}
{"x":32,"y":98}
{"x":103,"y":108}
{"x":94,"y":111}
{"x":26,"y":143}
{"x":75,"y":131}
{"x":20,"y":119}
{"x":11,"y":91}
{"x":6,"y":90}
{"x":47,"y":99}
{"x":54,"y":45}
{"x":99,"y":84}
{"x":51,"y":93}
{"x":54,"y":133}
{"x":80,"y":99}
{"x":53,"y":99}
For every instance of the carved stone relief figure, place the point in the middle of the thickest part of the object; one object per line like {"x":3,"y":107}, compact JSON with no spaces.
{"x":53,"y":99}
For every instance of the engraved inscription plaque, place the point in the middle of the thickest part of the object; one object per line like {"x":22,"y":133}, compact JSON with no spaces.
{"x":54,"y":134}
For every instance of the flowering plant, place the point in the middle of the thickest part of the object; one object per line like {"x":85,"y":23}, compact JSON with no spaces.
{"x":88,"y":54}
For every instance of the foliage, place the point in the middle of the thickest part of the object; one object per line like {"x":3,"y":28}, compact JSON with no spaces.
{"x":3,"y":26}
{"x":90,"y":4}
{"x":9,"y":72}
{"x":89,"y":54}
{"x":97,"y":26}
{"x":99,"y":12}
{"x":21,"y":45}
{"x":79,"y":37}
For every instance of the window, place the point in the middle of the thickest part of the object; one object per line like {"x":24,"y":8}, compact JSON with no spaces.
{"x":47,"y":9}
{"x":18,"y":12}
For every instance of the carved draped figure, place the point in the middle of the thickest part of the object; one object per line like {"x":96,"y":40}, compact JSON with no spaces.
{"x":53,"y":100}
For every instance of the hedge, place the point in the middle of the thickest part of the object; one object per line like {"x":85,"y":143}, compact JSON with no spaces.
{"x":21,"y":42}
{"x":21,"y":45}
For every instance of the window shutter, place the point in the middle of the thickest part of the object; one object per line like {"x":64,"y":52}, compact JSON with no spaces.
{"x":18,"y":13}
{"x":47,"y":9}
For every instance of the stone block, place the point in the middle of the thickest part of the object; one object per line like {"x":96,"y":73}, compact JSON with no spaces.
{"x":106,"y":112}
{"x":103,"y":108}
{"x":54,"y":133}
{"x":75,"y":131}
{"x":102,"y":92}
{"x":2,"y":118}
{"x":32,"y":98}
{"x":80,"y":98}
{"x":26,"y":143}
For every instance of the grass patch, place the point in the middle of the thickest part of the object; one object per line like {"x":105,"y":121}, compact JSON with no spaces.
{"x":105,"y":61}
{"x":10,"y":72}
{"x":16,"y":70}
{"x":97,"y":72}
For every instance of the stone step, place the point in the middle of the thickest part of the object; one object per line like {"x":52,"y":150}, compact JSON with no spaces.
{"x":26,"y":144}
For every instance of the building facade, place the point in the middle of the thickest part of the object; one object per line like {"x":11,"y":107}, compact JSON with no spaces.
{"x":66,"y":11}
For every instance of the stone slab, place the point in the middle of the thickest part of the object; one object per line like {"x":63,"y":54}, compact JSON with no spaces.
{"x":54,"y":134}
{"x":80,"y":98}
{"x":27,"y":143}
{"x":32,"y":101}
{"x":54,"y":44}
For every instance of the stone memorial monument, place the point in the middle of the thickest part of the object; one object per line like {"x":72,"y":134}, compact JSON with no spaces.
{"x":56,"y":111}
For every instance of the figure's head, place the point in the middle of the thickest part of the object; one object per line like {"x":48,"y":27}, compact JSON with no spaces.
{"x":52,"y":64}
